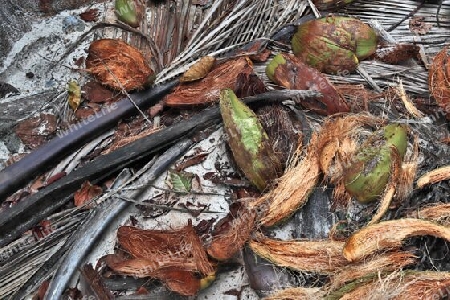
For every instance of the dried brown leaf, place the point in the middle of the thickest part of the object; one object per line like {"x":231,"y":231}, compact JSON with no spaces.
{"x":37,"y":130}
{"x":86,"y":193}
{"x":90,"y":15}
{"x":199,"y":70}
{"x":389,"y":235}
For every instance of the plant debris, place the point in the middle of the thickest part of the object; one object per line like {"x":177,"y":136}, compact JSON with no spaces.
{"x":418,"y":26}
{"x":438,"y":80}
{"x":207,"y":90}
{"x":233,"y":231}
{"x":86,"y":193}
{"x":248,"y":141}
{"x":172,"y":256}
{"x":290,"y":72}
{"x":334,"y":44}
{"x":118,"y":65}
{"x":198,"y":70}
{"x":388,"y":235}
{"x":37,"y":130}
{"x":322,"y":257}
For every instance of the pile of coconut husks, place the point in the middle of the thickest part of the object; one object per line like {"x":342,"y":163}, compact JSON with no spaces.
{"x":226,"y":150}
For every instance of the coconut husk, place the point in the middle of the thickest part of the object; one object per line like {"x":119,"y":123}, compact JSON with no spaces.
{"x":322,"y":257}
{"x":232,"y":232}
{"x":156,"y":249}
{"x":297,"y":293}
{"x":439,"y":213}
{"x":439,"y":80}
{"x":207,"y":90}
{"x":118,"y":65}
{"x":387,"y":262}
{"x":389,"y":235}
{"x":402,"y":286}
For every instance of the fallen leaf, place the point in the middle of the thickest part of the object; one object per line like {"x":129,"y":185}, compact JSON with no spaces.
{"x":198,"y":70}
{"x":95,"y":92}
{"x":37,"y":130}
{"x":90,"y":15}
{"x":86,"y":193}
{"x":181,"y":181}
{"x":74,"y":91}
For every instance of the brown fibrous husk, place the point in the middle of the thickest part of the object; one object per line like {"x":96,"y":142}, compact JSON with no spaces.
{"x":439,"y":80}
{"x":118,"y":65}
{"x":386,"y":262}
{"x":152,"y":250}
{"x":321,"y":257}
{"x":389,"y":235}
{"x":292,"y":190}
{"x":297,"y":293}
{"x":439,"y":213}
{"x":404,"y":286}
{"x":207,"y":90}
{"x":434,"y":176}
{"x":233,"y":232}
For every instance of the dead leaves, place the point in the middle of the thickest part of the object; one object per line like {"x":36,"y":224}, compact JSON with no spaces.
{"x":37,"y":130}
{"x":86,"y":193}
{"x":198,"y":70}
